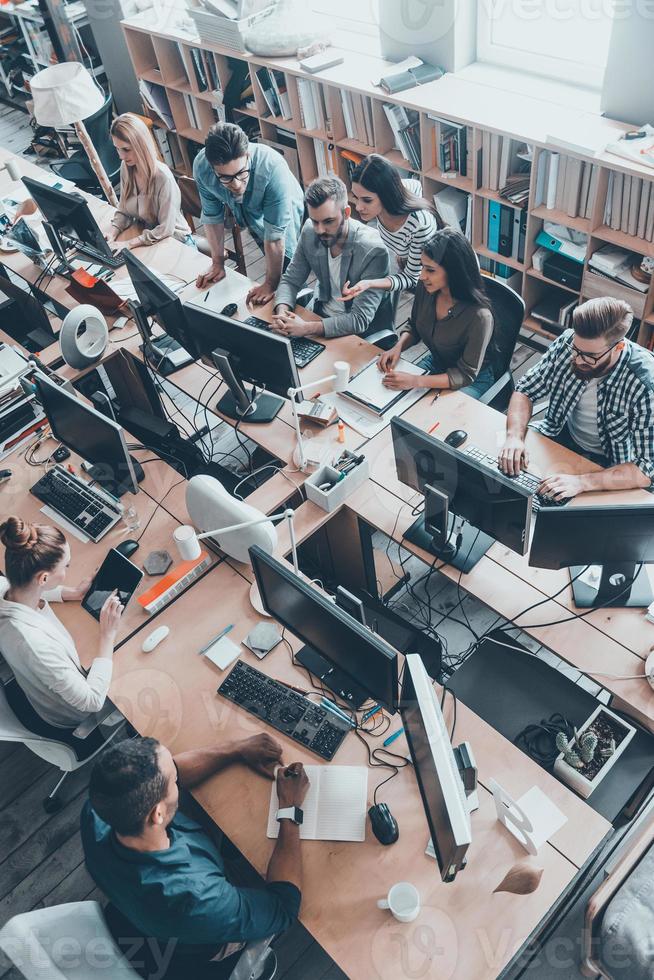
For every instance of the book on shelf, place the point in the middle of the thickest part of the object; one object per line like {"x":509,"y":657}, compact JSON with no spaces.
{"x":191,"y":111}
{"x":616,"y":263}
{"x":269,"y":91}
{"x":211,"y":71}
{"x":553,"y":313}
{"x":278,"y":79}
{"x":312,"y":114}
{"x":360,"y":109}
{"x":285,"y":143}
{"x":199,"y":69}
{"x":352,"y":161}
{"x":326,"y":161}
{"x":516,"y":189}
{"x":156,"y":99}
{"x":451,"y":145}
{"x":452,"y":206}
{"x":630,"y":205}
{"x":405,"y":126}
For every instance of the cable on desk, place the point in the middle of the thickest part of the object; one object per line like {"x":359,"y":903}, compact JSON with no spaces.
{"x":539,"y":740}
{"x":243,"y":445}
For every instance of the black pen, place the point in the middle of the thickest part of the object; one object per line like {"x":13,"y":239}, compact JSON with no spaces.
{"x":206,"y":296}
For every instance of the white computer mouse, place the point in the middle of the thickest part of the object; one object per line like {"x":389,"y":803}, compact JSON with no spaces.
{"x":154,"y":639}
{"x":649,"y":669}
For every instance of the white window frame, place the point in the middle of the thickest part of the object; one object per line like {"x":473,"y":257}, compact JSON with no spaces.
{"x":559,"y":69}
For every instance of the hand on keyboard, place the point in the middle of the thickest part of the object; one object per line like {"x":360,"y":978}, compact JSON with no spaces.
{"x":513,"y":456}
{"x":561,"y":487}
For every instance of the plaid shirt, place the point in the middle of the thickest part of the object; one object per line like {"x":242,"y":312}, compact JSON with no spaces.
{"x":625,"y":400}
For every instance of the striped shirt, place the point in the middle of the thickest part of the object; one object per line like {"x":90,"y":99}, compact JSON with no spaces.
{"x":407,"y":243}
{"x":625,"y":400}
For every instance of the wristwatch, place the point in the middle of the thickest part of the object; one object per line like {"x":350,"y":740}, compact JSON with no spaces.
{"x":293,"y":813}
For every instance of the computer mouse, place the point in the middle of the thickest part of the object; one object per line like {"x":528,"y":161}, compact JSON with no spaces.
{"x":127,"y":548}
{"x":383,"y":823}
{"x":229,"y":310}
{"x":456,"y":438}
{"x":154,"y":639}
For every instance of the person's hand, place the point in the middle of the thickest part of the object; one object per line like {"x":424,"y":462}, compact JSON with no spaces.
{"x":259,"y":295}
{"x":349,"y":292}
{"x":76,"y":593}
{"x":110,"y":615}
{"x":400,"y":381}
{"x":24,"y":208}
{"x":261,"y":753}
{"x":561,"y":486}
{"x":292,"y":785}
{"x":389,"y":358}
{"x":291,"y":325}
{"x":214,"y":273}
{"x":513,"y":456}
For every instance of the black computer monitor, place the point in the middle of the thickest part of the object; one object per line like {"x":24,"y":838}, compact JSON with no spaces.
{"x":488,"y":505}
{"x":243,"y":353}
{"x":435,"y":768}
{"x":26,"y":241}
{"x":353,"y":662}
{"x":158,"y":301}
{"x":614,"y":540}
{"x":70,"y":216}
{"x":24,"y":317}
{"x":97,"y":439}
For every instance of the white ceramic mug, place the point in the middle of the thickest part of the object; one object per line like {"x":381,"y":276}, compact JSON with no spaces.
{"x":403,"y":901}
{"x":13,"y":169}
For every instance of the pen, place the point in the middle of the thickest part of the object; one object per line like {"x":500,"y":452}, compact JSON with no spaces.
{"x":216,"y":638}
{"x":434,"y":426}
{"x":373,"y":711}
{"x":206,"y":296}
{"x":391,"y":738}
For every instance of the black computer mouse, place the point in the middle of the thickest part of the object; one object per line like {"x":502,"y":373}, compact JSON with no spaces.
{"x":383,"y":823}
{"x":127,"y":548}
{"x":456,"y":438}
{"x":229,"y":310}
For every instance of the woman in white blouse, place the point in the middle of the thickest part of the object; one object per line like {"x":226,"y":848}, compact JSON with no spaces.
{"x":36,"y":645}
{"x":150,"y":200}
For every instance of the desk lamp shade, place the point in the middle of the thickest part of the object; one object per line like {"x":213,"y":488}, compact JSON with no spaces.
{"x":211,"y":507}
{"x":83,"y":337}
{"x":65,"y":94}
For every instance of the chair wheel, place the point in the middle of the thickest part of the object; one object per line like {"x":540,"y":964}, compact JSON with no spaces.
{"x":52,"y":804}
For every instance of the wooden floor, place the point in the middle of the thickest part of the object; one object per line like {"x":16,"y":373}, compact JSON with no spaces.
{"x":41,"y":861}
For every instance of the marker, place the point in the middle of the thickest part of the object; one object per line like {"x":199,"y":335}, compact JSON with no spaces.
{"x":216,"y":638}
{"x":373,"y":711}
{"x":330,"y":706}
{"x":434,"y":426}
{"x":391,"y":738}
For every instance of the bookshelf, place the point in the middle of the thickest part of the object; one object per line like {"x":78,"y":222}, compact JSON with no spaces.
{"x":339,"y":116}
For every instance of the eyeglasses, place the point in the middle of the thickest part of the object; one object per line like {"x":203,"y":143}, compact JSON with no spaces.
{"x":583,"y":355}
{"x":228,"y":178}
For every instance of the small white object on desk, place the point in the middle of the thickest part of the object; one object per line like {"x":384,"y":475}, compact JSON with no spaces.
{"x":155,"y":638}
{"x":532,"y":819}
{"x":222,"y":652}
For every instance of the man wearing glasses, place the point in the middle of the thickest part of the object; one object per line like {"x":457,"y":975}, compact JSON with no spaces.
{"x":601,"y":403}
{"x":255,"y":183}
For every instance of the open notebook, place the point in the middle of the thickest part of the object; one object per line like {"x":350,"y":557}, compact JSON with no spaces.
{"x":367,"y":387}
{"x":334,"y":807}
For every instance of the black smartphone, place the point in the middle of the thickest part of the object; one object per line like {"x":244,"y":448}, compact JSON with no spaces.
{"x":116,"y":572}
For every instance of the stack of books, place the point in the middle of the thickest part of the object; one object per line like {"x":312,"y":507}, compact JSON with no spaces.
{"x":451,"y":146}
{"x":357,"y":117}
{"x":169,"y":148}
{"x":313,"y":111}
{"x":156,"y":99}
{"x":502,"y":158}
{"x":616,"y":263}
{"x":566,"y":184}
{"x":630,"y":205}
{"x":405,"y":124}
{"x":516,"y":190}
{"x":192,"y":111}
{"x":275,"y":92}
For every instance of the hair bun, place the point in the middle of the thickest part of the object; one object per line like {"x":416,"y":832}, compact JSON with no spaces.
{"x":16,"y":534}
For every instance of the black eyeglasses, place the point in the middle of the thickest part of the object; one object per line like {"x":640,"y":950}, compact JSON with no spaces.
{"x":228,"y":178}
{"x":583,"y":355}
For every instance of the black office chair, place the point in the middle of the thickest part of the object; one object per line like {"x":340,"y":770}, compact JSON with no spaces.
{"x":508,"y":312}
{"x":78,"y":168}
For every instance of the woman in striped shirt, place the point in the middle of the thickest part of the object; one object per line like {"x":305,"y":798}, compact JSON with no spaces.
{"x":405,"y":221}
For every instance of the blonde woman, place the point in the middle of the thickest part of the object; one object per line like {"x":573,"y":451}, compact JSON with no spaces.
{"x":149,"y":196}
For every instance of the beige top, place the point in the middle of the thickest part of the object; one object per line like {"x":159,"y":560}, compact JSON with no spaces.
{"x":159,"y":209}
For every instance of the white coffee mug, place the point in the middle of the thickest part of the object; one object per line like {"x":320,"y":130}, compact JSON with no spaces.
{"x":13,"y":169}
{"x":403,"y":901}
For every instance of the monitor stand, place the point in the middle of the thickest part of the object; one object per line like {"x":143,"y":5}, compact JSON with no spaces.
{"x":336,"y":680}
{"x":474,"y":543}
{"x":607,"y":586}
{"x":264,"y":408}
{"x":106,"y":477}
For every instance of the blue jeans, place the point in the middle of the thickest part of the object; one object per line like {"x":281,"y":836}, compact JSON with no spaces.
{"x":479,"y":386}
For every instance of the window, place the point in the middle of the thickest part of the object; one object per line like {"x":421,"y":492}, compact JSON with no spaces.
{"x":352,"y":24}
{"x":564,"y":39}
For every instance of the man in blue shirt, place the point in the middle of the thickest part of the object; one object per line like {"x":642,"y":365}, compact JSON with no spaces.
{"x":255,"y":183}
{"x":173,"y":907}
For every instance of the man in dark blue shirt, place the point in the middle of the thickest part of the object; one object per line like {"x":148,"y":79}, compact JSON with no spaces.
{"x":163,"y":874}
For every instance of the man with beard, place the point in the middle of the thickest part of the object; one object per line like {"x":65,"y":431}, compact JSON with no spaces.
{"x":601,"y":403}
{"x":338,"y":250}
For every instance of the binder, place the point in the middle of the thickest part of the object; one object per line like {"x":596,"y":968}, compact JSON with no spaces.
{"x":642,"y":212}
{"x":522,"y":241}
{"x":506,"y":230}
{"x":494,"y":210}
{"x":550,"y":199}
{"x":576,"y":252}
{"x":515,"y":244}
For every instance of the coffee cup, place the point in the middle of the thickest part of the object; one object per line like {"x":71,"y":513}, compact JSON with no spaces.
{"x":402,"y":901}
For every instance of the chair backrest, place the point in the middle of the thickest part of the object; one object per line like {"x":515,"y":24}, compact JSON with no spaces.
{"x":64,"y":942}
{"x":508,"y":313}
{"x":191,"y":203}
{"x":97,"y":126}
{"x":12,"y":730}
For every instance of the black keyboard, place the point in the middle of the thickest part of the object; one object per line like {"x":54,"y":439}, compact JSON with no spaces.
{"x":292,"y":714}
{"x":529,"y":481}
{"x":304,"y":350}
{"x":87,"y":509}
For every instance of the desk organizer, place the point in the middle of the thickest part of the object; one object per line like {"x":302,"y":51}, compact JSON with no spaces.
{"x":330,"y":499}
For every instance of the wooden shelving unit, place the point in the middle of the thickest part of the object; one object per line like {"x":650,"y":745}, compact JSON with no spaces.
{"x":165,"y":58}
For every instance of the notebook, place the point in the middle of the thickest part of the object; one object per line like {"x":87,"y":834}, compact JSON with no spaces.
{"x":367,"y":387}
{"x":334,"y":807}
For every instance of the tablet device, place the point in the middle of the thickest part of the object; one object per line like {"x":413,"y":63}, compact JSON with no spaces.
{"x":116,"y":572}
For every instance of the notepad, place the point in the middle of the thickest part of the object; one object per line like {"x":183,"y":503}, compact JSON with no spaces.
{"x":367,"y":387}
{"x":334,"y":807}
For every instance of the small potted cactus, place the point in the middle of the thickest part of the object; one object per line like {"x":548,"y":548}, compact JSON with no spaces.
{"x":585,"y":759}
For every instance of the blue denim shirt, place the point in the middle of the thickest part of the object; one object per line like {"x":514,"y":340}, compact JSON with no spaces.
{"x":273,"y":203}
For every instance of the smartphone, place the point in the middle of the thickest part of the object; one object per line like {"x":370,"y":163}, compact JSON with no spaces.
{"x":116,"y":572}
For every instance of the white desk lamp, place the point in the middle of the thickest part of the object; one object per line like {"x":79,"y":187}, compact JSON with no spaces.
{"x":340,"y":378}
{"x":65,"y":95}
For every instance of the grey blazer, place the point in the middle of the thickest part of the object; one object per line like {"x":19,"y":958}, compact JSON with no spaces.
{"x":364,"y":257}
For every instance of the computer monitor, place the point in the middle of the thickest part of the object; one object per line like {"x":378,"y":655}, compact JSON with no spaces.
{"x":26,"y":241}
{"x":613,"y":540}
{"x":97,"y":439}
{"x":23,"y":317}
{"x":350,"y":660}
{"x":70,"y":216}
{"x":243,"y":353}
{"x":435,"y":767}
{"x":465,"y":501}
{"x":157,"y":300}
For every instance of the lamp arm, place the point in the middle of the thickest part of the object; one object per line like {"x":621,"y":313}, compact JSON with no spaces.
{"x":301,"y":390}
{"x":284,"y":515}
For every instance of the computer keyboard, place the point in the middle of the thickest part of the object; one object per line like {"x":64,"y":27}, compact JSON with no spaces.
{"x":110,"y":260}
{"x":88,"y":509}
{"x":529,"y":481}
{"x":304,"y":350}
{"x":296,"y":716}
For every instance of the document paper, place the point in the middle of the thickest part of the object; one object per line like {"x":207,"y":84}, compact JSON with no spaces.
{"x":334,"y":807}
{"x":367,"y":387}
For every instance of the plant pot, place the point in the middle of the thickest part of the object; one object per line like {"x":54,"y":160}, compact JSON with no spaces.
{"x":583,"y":784}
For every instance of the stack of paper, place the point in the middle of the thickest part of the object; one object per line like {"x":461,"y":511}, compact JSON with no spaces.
{"x":334,"y":807}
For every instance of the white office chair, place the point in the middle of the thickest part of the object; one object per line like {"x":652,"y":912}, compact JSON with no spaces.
{"x":58,"y":753}
{"x":72,"y":942}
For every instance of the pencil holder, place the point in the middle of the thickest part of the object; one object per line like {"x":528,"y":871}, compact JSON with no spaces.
{"x":339,"y":486}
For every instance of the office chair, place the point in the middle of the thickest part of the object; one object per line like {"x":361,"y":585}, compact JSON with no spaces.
{"x":33,"y":942}
{"x":508,"y":312}
{"x":192,"y":210}
{"x":58,"y":753}
{"x":78,"y":169}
